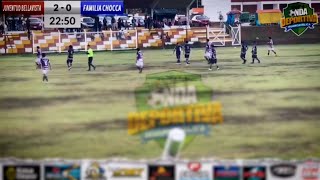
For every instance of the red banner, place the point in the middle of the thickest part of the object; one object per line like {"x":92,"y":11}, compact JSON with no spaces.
{"x":23,"y":7}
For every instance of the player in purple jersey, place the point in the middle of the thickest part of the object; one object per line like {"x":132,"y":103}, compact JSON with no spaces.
{"x":244,"y":49}
{"x":38,"y":65}
{"x":178,"y":50}
{"x":70,"y":57}
{"x":45,"y":67}
{"x":213,"y":59}
{"x":187,"y":51}
{"x":139,"y":61}
{"x":255,"y":53}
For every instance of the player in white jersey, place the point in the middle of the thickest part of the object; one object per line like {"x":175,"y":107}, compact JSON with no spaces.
{"x":271,"y":47}
{"x":139,"y":61}
{"x":45,"y":67}
{"x":208,"y":51}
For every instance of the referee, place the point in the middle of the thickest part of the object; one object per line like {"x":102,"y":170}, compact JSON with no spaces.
{"x":90,"y":58}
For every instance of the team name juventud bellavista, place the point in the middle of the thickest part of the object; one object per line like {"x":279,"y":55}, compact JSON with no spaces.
{"x":21,"y":8}
{"x":101,"y":8}
{"x":210,"y":113}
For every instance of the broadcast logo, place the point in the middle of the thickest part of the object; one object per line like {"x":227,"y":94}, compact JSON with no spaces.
{"x":62,"y":172}
{"x":283,"y":170}
{"x":254,"y":173}
{"x":227,"y":173}
{"x":21,"y":172}
{"x":298,"y":17}
{"x":310,"y":170}
{"x":95,"y":172}
{"x":193,"y":171}
{"x":161,"y":172}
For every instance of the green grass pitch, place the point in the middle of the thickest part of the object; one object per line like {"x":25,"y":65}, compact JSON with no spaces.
{"x":271,"y":109}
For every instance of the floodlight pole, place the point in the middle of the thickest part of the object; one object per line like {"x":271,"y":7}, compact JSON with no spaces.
{"x":153,"y":5}
{"x":188,"y":12}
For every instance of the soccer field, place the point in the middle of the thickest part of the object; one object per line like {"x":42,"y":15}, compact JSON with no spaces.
{"x":270,"y":109}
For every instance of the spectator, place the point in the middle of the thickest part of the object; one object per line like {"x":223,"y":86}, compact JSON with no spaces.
{"x":146,"y":22}
{"x":149,"y":23}
{"x":1,"y":27}
{"x":100,"y":26}
{"x":119,"y":23}
{"x":28,"y":27}
{"x":13,"y":24}
{"x":167,"y":37}
{"x":169,"y":22}
{"x":104,"y":23}
{"x":121,"y":35}
{"x":96,"y":23}
{"x":114,"y":23}
{"x":8,"y":22}
{"x":134,"y":23}
{"x":126,"y":24}
{"x":123,"y":24}
{"x":19,"y":23}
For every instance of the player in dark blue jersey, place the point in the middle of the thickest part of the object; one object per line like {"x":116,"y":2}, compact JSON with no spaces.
{"x":70,"y":57}
{"x":39,"y":55}
{"x":254,"y":53}
{"x":178,"y":50}
{"x":244,"y":49}
{"x":139,"y":60}
{"x":187,"y":51}
{"x":45,"y":67}
{"x":213,"y":58}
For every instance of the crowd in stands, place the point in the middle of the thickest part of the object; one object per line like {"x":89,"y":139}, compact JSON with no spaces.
{"x":23,"y":24}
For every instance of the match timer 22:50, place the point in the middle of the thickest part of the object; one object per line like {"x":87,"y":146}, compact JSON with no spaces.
{"x":62,"y":14}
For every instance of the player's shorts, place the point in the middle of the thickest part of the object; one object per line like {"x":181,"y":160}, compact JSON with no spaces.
{"x":213,"y":60}
{"x":69,"y":60}
{"x":271,"y":49}
{"x":187,"y":55}
{"x":242,"y":55}
{"x":38,"y":60}
{"x":139,"y":63}
{"x":254,"y":56}
{"x":45,"y":71}
{"x":207,"y":55}
{"x":178,"y":55}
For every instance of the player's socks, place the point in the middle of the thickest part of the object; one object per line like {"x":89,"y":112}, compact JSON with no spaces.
{"x":218,"y":68}
{"x":43,"y":78}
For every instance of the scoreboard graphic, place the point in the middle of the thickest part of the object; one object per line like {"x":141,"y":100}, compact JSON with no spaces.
{"x":62,"y":14}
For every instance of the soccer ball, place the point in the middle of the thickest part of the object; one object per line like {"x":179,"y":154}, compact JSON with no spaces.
{"x":257,"y":38}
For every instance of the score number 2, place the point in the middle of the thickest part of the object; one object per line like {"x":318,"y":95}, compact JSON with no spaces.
{"x":56,"y":7}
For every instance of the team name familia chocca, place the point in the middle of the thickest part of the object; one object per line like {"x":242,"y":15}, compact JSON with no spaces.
{"x":100,"y":7}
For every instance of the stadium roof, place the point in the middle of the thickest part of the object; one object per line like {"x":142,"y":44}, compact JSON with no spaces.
{"x":178,"y":4}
